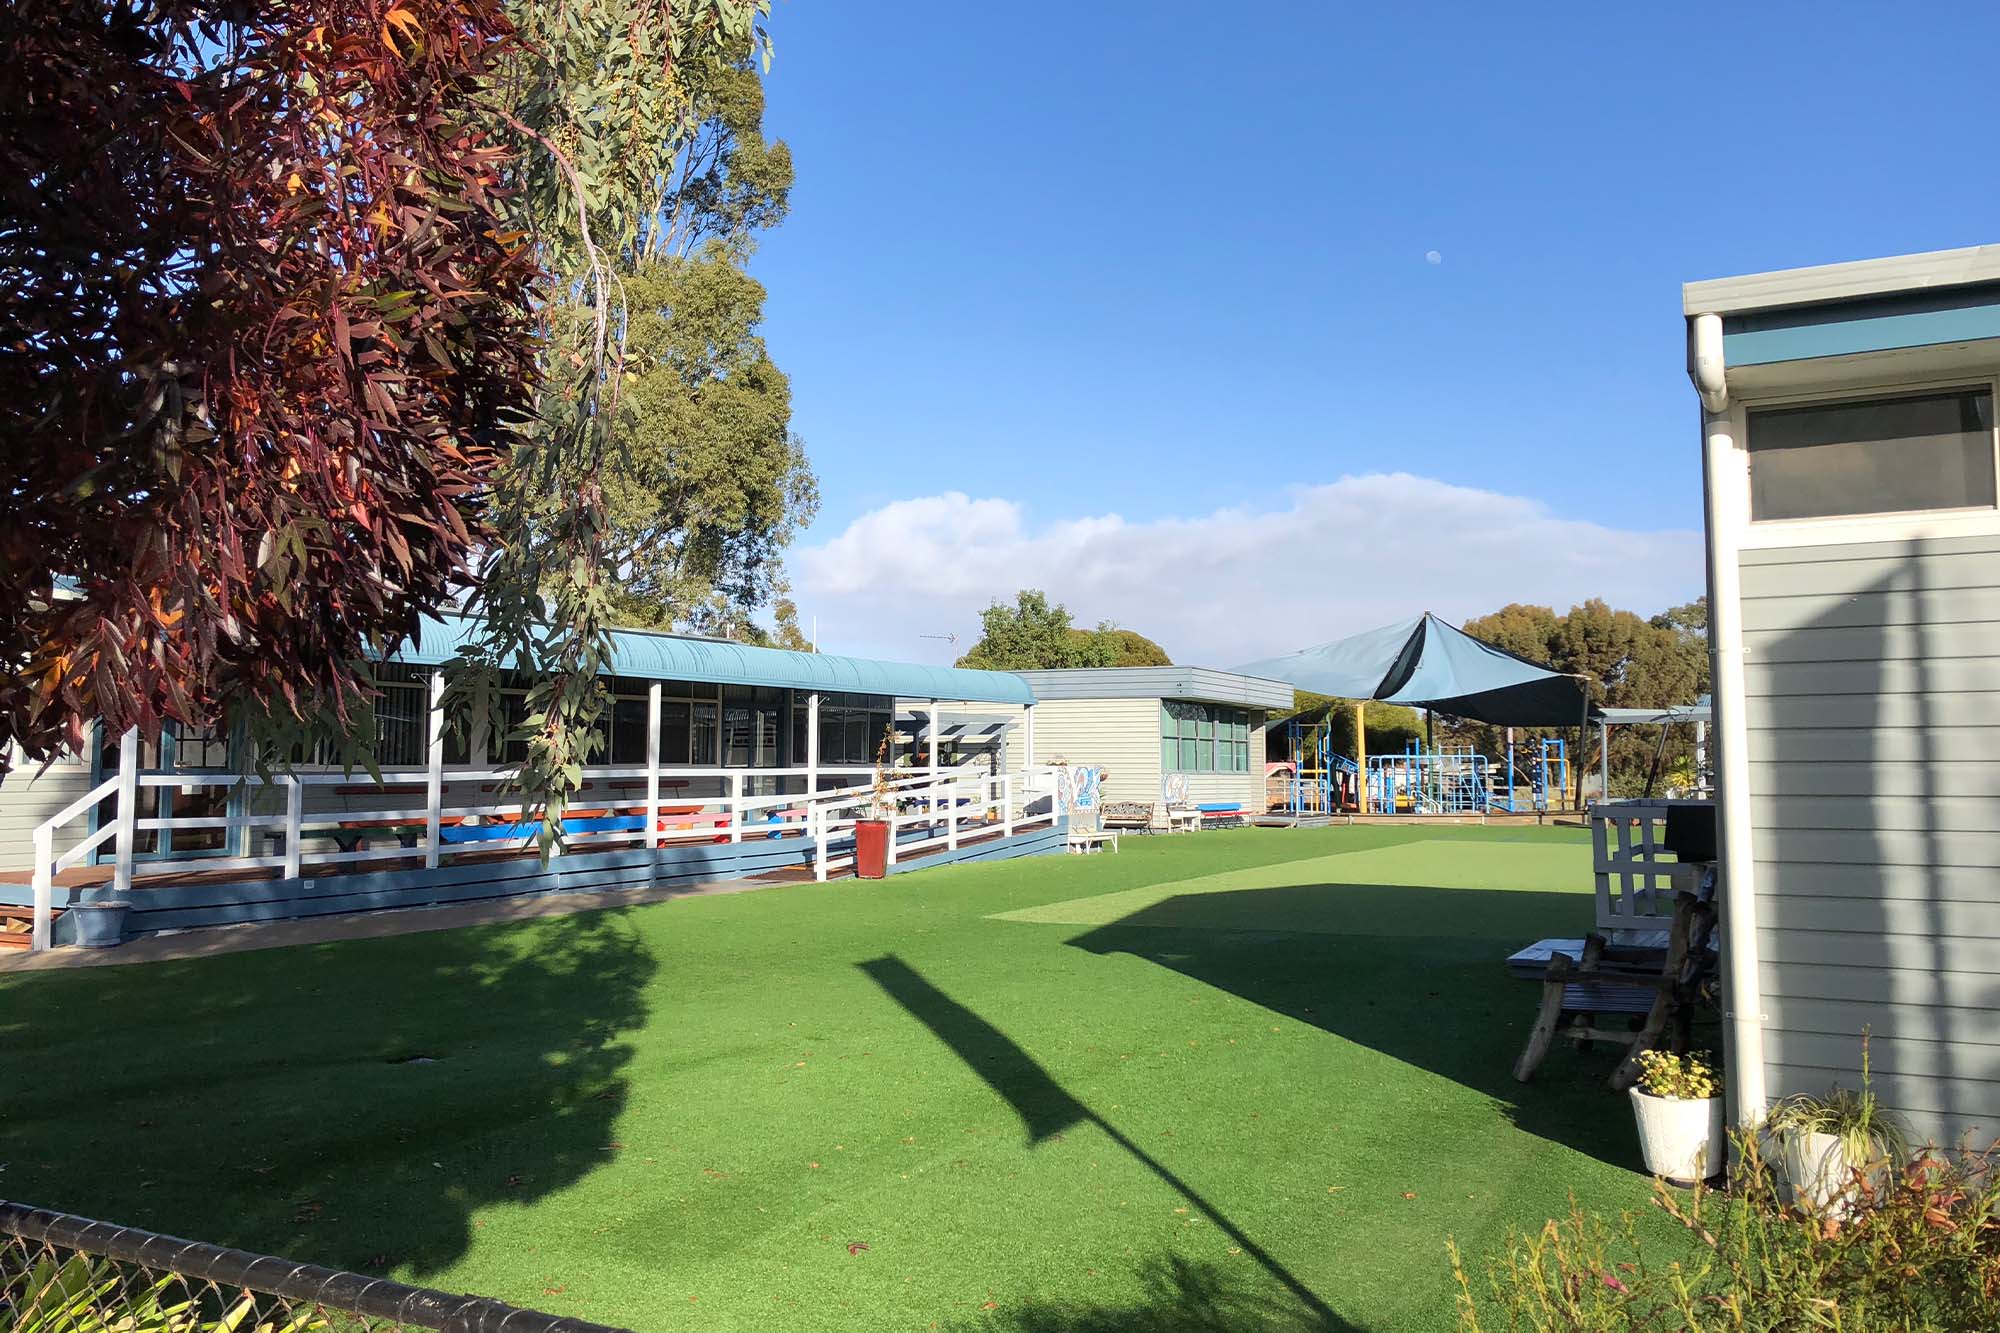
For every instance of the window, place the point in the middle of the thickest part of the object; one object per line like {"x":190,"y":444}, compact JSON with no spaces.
{"x":1879,"y":456}
{"x":750,"y":726}
{"x":1203,"y":738}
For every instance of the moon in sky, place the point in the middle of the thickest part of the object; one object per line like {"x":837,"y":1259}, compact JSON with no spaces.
{"x":1433,"y":257}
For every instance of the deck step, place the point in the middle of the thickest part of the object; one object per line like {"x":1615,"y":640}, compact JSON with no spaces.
{"x":17,"y":926}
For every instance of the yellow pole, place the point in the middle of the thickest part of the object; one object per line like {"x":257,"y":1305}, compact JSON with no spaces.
{"x":1361,"y":756}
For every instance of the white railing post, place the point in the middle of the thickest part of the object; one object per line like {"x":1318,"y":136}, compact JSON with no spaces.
{"x":736,"y":807}
{"x":890,"y":858}
{"x":1007,"y":805}
{"x":295,"y":813}
{"x":818,"y":834}
{"x":128,"y":814}
{"x":812,"y":744}
{"x":434,"y":777}
{"x":45,"y":885}
{"x":951,"y":815}
{"x":1027,"y":737}
{"x":931,"y":752}
{"x":653,"y":765}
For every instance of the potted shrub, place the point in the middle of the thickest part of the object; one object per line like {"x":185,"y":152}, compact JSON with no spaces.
{"x":1839,"y":1148}
{"x":1678,"y":1105}
{"x":872,"y":832}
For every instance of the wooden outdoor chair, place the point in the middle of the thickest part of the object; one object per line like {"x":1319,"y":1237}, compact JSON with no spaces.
{"x":1576,"y":994}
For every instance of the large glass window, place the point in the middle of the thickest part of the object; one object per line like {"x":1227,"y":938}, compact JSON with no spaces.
{"x":1878,"y":456}
{"x":1203,"y":738}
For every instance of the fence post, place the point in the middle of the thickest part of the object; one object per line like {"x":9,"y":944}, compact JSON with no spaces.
{"x":128,"y":814}
{"x":890,"y":858}
{"x":434,"y":764}
{"x":295,"y":812}
{"x":736,"y":807}
{"x":653,"y":765}
{"x":1006,"y":805}
{"x":951,"y":815}
{"x":45,"y":885}
{"x":818,"y":834}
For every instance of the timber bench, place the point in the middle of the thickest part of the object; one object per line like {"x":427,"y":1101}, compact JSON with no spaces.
{"x":1127,"y":815}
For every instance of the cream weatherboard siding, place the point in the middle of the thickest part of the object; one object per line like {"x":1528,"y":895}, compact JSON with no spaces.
{"x":1873,"y":708}
{"x":1121,"y":736}
{"x":28,"y":796}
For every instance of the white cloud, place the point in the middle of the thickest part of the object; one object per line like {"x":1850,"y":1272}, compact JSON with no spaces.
{"x":1232,"y":585}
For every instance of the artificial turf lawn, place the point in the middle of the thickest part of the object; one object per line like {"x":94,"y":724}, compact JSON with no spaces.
{"x":1249,"y":1078}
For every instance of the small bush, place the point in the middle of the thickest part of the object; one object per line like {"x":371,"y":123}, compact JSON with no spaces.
{"x":1690,"y":1077}
{"x":1921,"y":1255}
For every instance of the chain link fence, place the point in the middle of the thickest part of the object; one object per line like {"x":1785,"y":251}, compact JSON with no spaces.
{"x":64,"y":1274}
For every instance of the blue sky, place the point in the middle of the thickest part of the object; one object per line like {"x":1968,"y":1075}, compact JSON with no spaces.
{"x":1159,"y":271}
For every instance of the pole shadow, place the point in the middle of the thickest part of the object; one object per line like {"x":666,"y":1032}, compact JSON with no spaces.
{"x":1414,"y":973}
{"x":1046,"y":1108}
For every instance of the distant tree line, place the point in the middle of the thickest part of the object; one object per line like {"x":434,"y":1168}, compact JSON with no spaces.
{"x":1035,"y":634}
{"x":1631,"y":661}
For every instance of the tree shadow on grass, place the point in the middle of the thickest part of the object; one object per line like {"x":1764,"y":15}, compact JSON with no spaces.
{"x":1178,"y":1294}
{"x":1415,"y":973}
{"x":1179,"y":1297}
{"x":352,"y":1104}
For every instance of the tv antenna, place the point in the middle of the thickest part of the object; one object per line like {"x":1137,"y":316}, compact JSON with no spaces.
{"x":951,"y":639}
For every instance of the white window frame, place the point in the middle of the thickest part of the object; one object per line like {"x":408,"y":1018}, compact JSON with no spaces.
{"x":1758,"y":534}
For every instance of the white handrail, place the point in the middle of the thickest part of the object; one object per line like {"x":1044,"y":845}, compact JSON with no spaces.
{"x":944,"y":804}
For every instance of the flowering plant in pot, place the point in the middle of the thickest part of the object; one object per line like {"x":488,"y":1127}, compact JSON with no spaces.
{"x":1678,"y":1105}
{"x":1841,"y":1148}
{"x":872,"y":831}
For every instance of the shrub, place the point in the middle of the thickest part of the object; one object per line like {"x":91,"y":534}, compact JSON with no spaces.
{"x":1921,"y":1254}
{"x":1690,"y":1077}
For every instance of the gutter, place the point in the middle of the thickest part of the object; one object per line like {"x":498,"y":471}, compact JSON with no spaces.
{"x":1726,"y":501}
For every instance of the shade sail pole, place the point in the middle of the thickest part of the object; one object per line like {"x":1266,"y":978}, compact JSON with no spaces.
{"x":1360,"y":757}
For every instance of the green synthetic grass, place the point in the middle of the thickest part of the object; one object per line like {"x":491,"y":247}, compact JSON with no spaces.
{"x":1238,"y":1080}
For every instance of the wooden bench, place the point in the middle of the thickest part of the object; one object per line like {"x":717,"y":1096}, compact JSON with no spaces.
{"x":1127,"y":815}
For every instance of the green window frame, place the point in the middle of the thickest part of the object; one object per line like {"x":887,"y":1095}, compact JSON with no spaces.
{"x":1203,"y":738}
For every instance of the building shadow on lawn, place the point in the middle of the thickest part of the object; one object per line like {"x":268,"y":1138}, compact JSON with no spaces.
{"x":352,"y":1105}
{"x":1179,"y":1297}
{"x":1415,"y":973}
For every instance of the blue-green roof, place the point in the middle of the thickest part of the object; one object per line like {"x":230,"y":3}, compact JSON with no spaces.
{"x":650,"y":656}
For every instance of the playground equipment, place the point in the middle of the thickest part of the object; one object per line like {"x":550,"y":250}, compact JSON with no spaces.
{"x":1323,"y":781}
{"x":1542,"y":767}
{"x":1318,"y":780}
{"x":1428,"y":782}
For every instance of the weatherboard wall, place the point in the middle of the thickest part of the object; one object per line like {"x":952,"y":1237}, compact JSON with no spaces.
{"x":29,"y":796}
{"x":1872,"y":675}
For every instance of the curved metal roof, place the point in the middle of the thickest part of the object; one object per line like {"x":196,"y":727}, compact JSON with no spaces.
{"x":654,"y":656}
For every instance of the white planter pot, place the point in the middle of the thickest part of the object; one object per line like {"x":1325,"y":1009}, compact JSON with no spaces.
{"x":1820,"y":1175}
{"x":1681,"y":1140}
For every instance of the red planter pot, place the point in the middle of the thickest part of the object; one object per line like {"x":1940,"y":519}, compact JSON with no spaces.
{"x":871,"y":848}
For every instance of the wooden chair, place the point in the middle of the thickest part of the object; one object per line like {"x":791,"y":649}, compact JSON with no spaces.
{"x":1575,"y":994}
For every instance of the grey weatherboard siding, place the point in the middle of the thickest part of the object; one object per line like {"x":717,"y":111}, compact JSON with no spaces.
{"x":1873,"y":707}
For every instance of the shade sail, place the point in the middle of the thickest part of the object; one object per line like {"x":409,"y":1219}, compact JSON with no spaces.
{"x":1426,"y":663}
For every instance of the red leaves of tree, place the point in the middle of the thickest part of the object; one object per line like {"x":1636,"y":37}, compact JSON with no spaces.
{"x":263,"y":340}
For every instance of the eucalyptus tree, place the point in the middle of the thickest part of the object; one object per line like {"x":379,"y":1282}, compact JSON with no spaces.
{"x":604,"y":101}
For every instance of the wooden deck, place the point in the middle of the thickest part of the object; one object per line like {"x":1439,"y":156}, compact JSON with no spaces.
{"x":193,"y":897}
